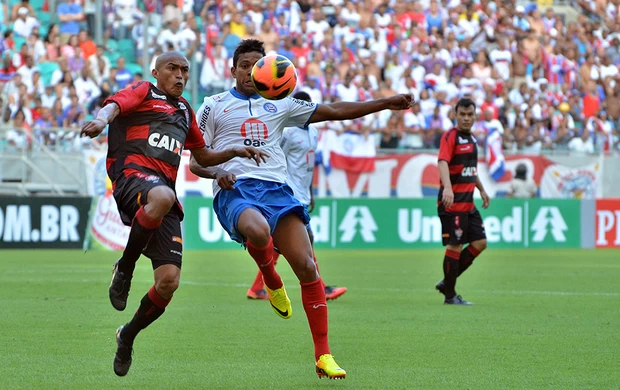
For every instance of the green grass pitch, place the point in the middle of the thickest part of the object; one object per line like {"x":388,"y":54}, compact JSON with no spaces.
{"x":544,"y":319}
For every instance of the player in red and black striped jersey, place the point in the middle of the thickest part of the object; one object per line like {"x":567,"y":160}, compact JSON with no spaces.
{"x":149,"y":126}
{"x":460,"y":220}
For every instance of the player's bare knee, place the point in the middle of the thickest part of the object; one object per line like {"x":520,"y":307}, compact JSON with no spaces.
{"x":306,"y":270}
{"x":480,"y":245}
{"x":167,"y":285}
{"x":258,"y":234}
{"x":160,"y":201}
{"x":454,"y":248}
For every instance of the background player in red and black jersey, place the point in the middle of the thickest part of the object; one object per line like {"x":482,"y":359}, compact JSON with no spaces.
{"x":149,"y":128}
{"x":460,"y":220}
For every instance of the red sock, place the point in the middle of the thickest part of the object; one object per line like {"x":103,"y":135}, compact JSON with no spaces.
{"x":264,"y":260}
{"x":315,"y":305}
{"x":258,"y":284}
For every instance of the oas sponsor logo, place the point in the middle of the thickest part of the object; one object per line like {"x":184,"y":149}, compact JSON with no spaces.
{"x":270,"y":107}
{"x":254,"y":129}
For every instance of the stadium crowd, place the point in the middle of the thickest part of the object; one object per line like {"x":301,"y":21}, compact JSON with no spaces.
{"x":543,"y":82}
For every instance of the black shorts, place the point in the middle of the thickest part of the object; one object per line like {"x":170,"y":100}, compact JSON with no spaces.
{"x":461,"y":228}
{"x":166,"y":244}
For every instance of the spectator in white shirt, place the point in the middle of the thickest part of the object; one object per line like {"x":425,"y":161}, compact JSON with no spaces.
{"x":99,"y":65}
{"x":317,"y":27}
{"x":582,"y":144}
{"x":187,"y":37}
{"x":607,"y":69}
{"x":347,"y":91}
{"x":312,"y":89}
{"x":171,"y":35}
{"x":382,"y":18}
{"x":521,"y":186}
{"x":35,"y":85}
{"x":127,"y":15}
{"x":518,"y":96}
{"x":24,"y":24}
{"x":26,"y":70}
{"x":414,"y":123}
{"x":86,"y":88}
{"x":501,"y":59}
{"x":213,"y":77}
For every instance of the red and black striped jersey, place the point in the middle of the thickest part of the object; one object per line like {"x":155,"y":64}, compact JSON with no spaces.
{"x":460,"y":151}
{"x":150,"y":133}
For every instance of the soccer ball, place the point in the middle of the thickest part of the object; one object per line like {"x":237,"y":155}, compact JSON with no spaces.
{"x":274,"y":77}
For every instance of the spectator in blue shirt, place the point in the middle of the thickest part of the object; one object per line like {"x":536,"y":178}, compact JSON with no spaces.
{"x":123,"y":76}
{"x":70,"y":16}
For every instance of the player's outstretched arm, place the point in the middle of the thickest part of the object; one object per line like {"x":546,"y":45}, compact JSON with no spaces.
{"x":351,"y":110}
{"x":106,"y":115}
{"x":208,"y":157}
{"x":225,"y":179}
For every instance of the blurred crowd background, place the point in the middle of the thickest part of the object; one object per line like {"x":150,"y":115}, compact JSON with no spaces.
{"x":544,"y":81}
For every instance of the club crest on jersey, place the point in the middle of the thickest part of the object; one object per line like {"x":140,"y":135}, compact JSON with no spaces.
{"x":156,"y":96}
{"x":463,"y":141}
{"x":469,"y":172}
{"x":164,"y":141}
{"x":270,"y":107}
{"x":184,"y":108}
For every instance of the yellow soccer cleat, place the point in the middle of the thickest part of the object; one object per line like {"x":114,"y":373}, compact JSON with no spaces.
{"x":280,"y":302}
{"x":327,"y":366}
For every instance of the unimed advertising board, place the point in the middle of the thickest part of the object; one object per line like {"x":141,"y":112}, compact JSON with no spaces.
{"x":404,"y":223}
{"x":43,"y":222}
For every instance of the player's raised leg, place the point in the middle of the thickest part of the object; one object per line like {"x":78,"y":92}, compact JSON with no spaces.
{"x":292,"y":240}
{"x":159,"y":200}
{"x":152,"y":306}
{"x":254,"y":227}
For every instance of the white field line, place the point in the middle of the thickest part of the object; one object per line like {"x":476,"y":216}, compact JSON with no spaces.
{"x":295,"y":286}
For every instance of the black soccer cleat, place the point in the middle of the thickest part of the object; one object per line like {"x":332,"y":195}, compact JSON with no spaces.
{"x":441,"y":287}
{"x":457,"y":300}
{"x":122,"y":359}
{"x":119,"y":288}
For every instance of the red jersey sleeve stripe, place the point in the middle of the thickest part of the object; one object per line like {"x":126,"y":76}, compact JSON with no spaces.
{"x":446,"y":146}
{"x":463,"y":187}
{"x":137,"y":132}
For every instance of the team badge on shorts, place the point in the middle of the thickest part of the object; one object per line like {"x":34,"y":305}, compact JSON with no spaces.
{"x":458,"y":232}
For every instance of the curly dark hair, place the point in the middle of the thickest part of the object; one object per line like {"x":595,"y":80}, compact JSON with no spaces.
{"x":248,"y":46}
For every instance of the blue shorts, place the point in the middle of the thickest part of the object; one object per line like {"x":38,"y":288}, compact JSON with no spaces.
{"x":273,"y":200}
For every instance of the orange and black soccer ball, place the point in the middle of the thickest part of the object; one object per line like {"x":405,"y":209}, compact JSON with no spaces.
{"x":274,"y":77}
